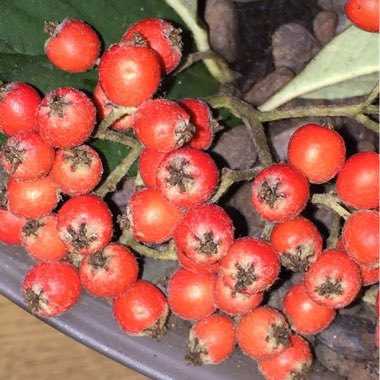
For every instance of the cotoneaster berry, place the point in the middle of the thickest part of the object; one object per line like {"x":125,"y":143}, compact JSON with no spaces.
{"x":10,"y":227}
{"x":27,"y":157}
{"x":204,"y":233}
{"x":129,"y":74}
{"x":263,"y":332}
{"x":163,"y":125}
{"x":142,"y":310}
{"x":280,"y":192}
{"x":149,"y":161}
{"x":364,"y":14}
{"x":187,"y":177}
{"x":161,"y":36}
{"x":77,"y":170}
{"x":298,"y":243}
{"x":211,"y":340}
{"x":18,"y":105}
{"x":66,"y":117}
{"x":73,"y":45}
{"x":51,"y":289}
{"x":318,"y":151}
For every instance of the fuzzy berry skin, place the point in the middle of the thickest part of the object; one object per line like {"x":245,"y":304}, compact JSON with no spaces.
{"x":364,"y":14}
{"x":162,"y":125}
{"x":27,"y":157}
{"x":77,"y":170}
{"x":73,"y":46}
{"x":250,"y":266}
{"x":298,"y":243}
{"x":318,"y":151}
{"x":357,"y":183}
{"x":293,"y":363}
{"x":361,"y":237}
{"x":304,"y":315}
{"x":187,"y":177}
{"x":10,"y":227}
{"x":161,"y":36}
{"x":280,"y":192}
{"x":204,"y":123}
{"x":334,"y":280}
{"x":190,"y":295}
{"x":263,"y":333}
{"x":41,"y":241}
{"x":51,"y":289}
{"x":104,"y":107}
{"x":149,"y":161}
{"x":370,"y":275}
{"x":151,"y":217}
{"x":211,"y":340}
{"x":84,"y":224}
{"x":142,"y":310}
{"x":66,"y":117}
{"x":110,"y":272}
{"x":193,"y":266}
{"x":18,"y":105}
{"x":234,"y":303}
{"x":129,"y":75}
{"x":33,"y":199}
{"x":204,"y":233}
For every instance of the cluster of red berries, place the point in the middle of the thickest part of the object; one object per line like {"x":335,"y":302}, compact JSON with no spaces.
{"x":50,"y":210}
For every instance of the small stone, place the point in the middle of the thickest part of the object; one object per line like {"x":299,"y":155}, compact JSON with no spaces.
{"x":121,"y":197}
{"x":221,"y":17}
{"x":293,"y":46}
{"x":230,"y":146}
{"x":336,"y":6}
{"x":324,"y":26}
{"x":268,"y":86}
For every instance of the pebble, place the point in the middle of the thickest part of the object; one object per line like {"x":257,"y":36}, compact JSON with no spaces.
{"x":324,"y":26}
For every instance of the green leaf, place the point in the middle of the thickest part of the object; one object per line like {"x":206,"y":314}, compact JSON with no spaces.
{"x":3,"y":139}
{"x":22,"y":56}
{"x":347,"y":66}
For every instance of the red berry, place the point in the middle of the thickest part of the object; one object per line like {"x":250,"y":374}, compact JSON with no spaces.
{"x":280,"y":192}
{"x":142,"y":310}
{"x":232,"y":302}
{"x":40,"y":239}
{"x":204,"y":233}
{"x":148,"y":163}
{"x":304,"y":315}
{"x":73,"y":45}
{"x":128,"y":74}
{"x":190,"y":295}
{"x":318,"y":151}
{"x":334,"y":280}
{"x":51,"y":289}
{"x":85,"y":224}
{"x":10,"y":227}
{"x":197,"y":267}
{"x":33,"y":199}
{"x":293,"y":363}
{"x":211,"y":340}
{"x":152,"y":218}
{"x":77,"y":170}
{"x":187,"y":177}
{"x":27,"y":157}
{"x":161,"y":36}
{"x":298,"y":242}
{"x":370,"y":275}
{"x":204,"y":123}
{"x":104,"y":107}
{"x":361,"y":237}
{"x":357,"y":183}
{"x":66,"y":117}
{"x":364,"y":14}
{"x":250,"y":266}
{"x":18,"y":105}
{"x":110,"y":272}
{"x":263,"y":332}
{"x":162,"y":125}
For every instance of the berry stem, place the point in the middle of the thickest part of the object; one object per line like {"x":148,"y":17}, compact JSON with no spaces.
{"x":127,"y":239}
{"x":112,"y":117}
{"x":249,"y":115}
{"x":333,"y":238}
{"x":229,"y":177}
{"x":119,"y":172}
{"x":332,"y":202}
